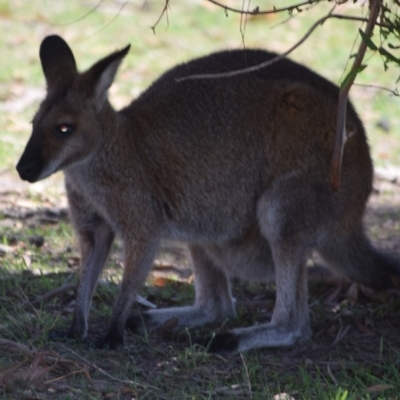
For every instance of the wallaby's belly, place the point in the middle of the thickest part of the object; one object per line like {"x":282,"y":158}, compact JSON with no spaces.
{"x":212,"y":220}
{"x":247,"y":257}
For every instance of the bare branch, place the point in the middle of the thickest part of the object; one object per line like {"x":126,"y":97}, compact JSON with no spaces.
{"x":82,"y":17}
{"x":394,"y":92}
{"x":336,"y":165}
{"x":257,"y":11}
{"x":111,"y":377}
{"x":113,"y":18}
{"x":243,"y":22}
{"x":15,"y":346}
{"x":274,"y":60}
{"x":164,"y":11}
{"x":53,"y":293}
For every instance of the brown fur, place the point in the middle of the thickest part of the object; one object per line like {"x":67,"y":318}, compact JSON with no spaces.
{"x":238,"y":168}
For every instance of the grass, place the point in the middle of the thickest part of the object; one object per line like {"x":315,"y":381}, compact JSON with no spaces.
{"x":362,"y":365}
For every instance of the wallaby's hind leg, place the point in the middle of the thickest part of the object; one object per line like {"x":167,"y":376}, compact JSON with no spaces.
{"x":213,"y":300}
{"x":353,"y":256}
{"x":291,"y":216}
{"x":95,"y":239}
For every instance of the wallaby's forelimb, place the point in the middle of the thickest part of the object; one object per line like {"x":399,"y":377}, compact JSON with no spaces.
{"x":138,"y":262}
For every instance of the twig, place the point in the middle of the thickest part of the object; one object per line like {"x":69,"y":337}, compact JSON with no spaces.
{"x":341,"y":334}
{"x":257,"y":11}
{"x":10,"y":345}
{"x":385,"y":89}
{"x":82,"y":17}
{"x":113,"y":18}
{"x":292,"y":7}
{"x":275,"y":59}
{"x":334,"y":380}
{"x":164,"y":11}
{"x":247,"y":374}
{"x":243,"y":22}
{"x":336,"y":165}
{"x":113,"y":378}
{"x":54,"y":293}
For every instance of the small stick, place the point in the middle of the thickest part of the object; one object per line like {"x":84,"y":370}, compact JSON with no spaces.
{"x":247,"y":375}
{"x":54,"y":293}
{"x":113,"y":378}
{"x":10,"y":345}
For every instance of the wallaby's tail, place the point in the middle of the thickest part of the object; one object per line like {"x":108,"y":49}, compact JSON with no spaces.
{"x":354,"y":257}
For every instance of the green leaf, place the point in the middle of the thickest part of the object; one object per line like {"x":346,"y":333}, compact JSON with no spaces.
{"x":367,"y":40}
{"x":388,"y":55}
{"x":352,"y":75}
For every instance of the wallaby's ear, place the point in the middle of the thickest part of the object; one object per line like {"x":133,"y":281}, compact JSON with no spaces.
{"x":100,"y":76}
{"x":58,"y":62}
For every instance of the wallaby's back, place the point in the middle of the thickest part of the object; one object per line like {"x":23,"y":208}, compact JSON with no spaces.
{"x":214,"y":135}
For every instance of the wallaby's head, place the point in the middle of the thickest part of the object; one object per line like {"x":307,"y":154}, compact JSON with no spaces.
{"x":68,"y":125}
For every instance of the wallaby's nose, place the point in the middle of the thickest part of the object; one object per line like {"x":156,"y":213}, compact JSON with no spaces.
{"x":26,"y":170}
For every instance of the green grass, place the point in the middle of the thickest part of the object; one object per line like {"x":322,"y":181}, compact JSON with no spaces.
{"x":168,"y":366}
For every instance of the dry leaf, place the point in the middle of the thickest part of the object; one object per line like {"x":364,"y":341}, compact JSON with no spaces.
{"x":379,"y":388}
{"x":15,"y":346}
{"x":352,"y":294}
{"x":368,"y":292}
{"x":333,"y":295}
{"x":27,"y":257}
{"x":360,"y":325}
{"x":110,"y":395}
{"x":127,"y":389}
{"x":32,"y":374}
{"x":283,"y":396}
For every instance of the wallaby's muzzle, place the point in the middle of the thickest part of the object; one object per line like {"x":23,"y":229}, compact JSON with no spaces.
{"x":30,"y":165}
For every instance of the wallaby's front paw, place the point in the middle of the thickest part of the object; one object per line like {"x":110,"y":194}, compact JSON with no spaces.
{"x":220,"y":343}
{"x":136,"y":322}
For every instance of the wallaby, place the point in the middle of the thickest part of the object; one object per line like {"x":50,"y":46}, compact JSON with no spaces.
{"x":237,"y":167}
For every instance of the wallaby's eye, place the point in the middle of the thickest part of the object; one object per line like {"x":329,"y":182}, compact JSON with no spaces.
{"x":64,"y":130}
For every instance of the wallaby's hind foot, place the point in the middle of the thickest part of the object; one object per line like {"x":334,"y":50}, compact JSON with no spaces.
{"x":265,"y":335}
{"x":185,"y":317}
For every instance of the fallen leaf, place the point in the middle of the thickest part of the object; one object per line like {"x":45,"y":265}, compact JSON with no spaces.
{"x":161,"y":281}
{"x":360,"y":325}
{"x":283,"y":396}
{"x":110,"y":395}
{"x":368,"y":292}
{"x":127,"y":389}
{"x":333,"y":295}
{"x":379,"y":388}
{"x":352,"y":294}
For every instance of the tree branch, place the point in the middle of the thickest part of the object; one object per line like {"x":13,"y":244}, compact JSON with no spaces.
{"x":274,"y":60}
{"x":164,"y":11}
{"x":257,"y":11}
{"x":336,"y":165}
